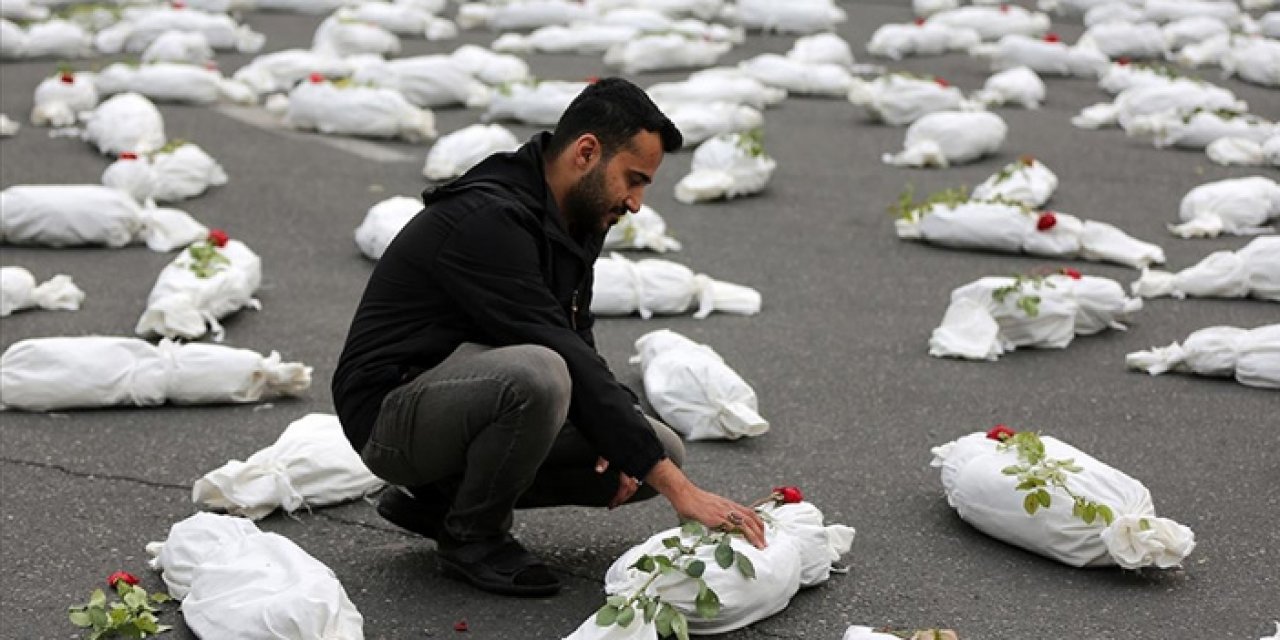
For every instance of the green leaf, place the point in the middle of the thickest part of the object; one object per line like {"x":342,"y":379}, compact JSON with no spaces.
{"x":707,"y":604}
{"x":1143,"y":525}
{"x":1012,"y":470}
{"x":650,"y":610}
{"x":97,"y":599}
{"x":745,"y":566}
{"x":663,"y":561}
{"x":666,"y":613}
{"x":680,"y":625}
{"x":693,"y":528}
{"x":626,"y":616}
{"x":118,"y":614}
{"x":160,"y":596}
{"x":695,"y":569}
{"x":1089,"y":513}
{"x":1030,"y":503}
{"x":1044,"y":498}
{"x":671,"y":543}
{"x":724,"y":555}
{"x":645,"y":564}
{"x":616,"y":601}
{"x":131,"y":631}
{"x":134,"y":599}
{"x":1109,"y":517}
{"x":607,"y":615}
{"x":80,"y":618}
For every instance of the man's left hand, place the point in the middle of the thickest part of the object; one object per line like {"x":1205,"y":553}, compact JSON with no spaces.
{"x":626,"y":485}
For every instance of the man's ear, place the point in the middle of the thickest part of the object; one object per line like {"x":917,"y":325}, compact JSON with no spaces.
{"x":586,"y":150}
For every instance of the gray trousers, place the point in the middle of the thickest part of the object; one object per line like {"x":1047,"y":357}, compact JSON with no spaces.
{"x":487,"y":427}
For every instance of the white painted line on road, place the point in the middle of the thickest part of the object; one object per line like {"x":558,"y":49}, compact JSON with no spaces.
{"x":264,"y":119}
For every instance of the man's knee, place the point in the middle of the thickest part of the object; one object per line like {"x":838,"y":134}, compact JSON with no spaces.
{"x":671,"y":441}
{"x":541,"y":377}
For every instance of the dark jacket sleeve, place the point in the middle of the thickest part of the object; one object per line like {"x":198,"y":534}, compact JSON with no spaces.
{"x":490,"y":265}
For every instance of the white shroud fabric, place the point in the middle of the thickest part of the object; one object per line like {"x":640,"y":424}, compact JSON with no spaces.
{"x":172,"y":174}
{"x":623,"y":287}
{"x":1251,"y":356}
{"x":897,"y":41}
{"x":456,"y":153}
{"x":383,"y":222}
{"x":643,"y":230}
{"x":358,"y":111}
{"x":59,"y":99}
{"x":185,"y":305}
{"x":900,"y":99}
{"x":724,"y":167}
{"x":58,"y":215}
{"x":126,"y":122}
{"x":1019,"y":85}
{"x":664,"y":52}
{"x":946,"y":138}
{"x":1252,"y":271}
{"x":18,"y":291}
{"x":1024,"y":180}
{"x":537,"y":104}
{"x":1235,"y":206}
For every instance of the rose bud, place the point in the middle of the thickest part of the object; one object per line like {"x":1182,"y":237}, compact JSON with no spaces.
{"x":1000,"y":433}
{"x":919,"y":22}
{"x":1074,"y":274}
{"x":127,"y":155}
{"x":788,"y":495}
{"x":67,"y":77}
{"x":218,"y":237}
{"x":1052,"y":37}
{"x":121,"y":576}
{"x":942,"y":82}
{"x":317,"y":78}
{"x":1046,"y":221}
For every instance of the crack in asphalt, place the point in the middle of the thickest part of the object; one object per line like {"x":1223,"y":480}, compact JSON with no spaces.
{"x":94,"y":476}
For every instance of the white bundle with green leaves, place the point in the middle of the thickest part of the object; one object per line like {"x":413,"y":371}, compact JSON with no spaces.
{"x":491,"y":68}
{"x":60,"y":98}
{"x":311,"y":464}
{"x":1121,"y":75}
{"x":898,"y":41}
{"x":456,"y":153}
{"x":995,"y":315}
{"x":1251,"y":356}
{"x":720,"y":84}
{"x":727,"y":166}
{"x":653,"y":286}
{"x":699,"y":122}
{"x":1243,"y":152}
{"x":68,"y":215}
{"x":426,"y":81}
{"x":84,"y":372}
{"x":664,"y":52}
{"x":18,"y":291}
{"x":236,"y":581}
{"x":343,"y":109}
{"x":1235,"y":206}
{"x":142,"y":26}
{"x":281,"y":70}
{"x":1198,"y":128}
{"x":993,"y":23}
{"x":522,"y":15}
{"x":798,"y":77}
{"x":1253,"y":271}
{"x":54,"y":38}
{"x":401,"y":18}
{"x":1025,"y":180}
{"x":794,"y":16}
{"x":901,"y":98}
{"x":190,"y":47}
{"x":1041,"y":56}
{"x":199,"y":287}
{"x":23,"y":10}
{"x":694,"y":391}
{"x":537,"y":104}
{"x":126,"y":122}
{"x":1125,"y":39}
{"x":1179,"y":94}
{"x":643,"y":230}
{"x":1019,"y":85}
{"x":1050,"y":498}
{"x":341,"y":37}
{"x":383,"y":222}
{"x":179,"y":171}
{"x":580,"y":38}
{"x":945,"y":138}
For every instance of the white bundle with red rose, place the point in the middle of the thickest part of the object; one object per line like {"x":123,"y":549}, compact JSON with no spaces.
{"x":694,"y":391}
{"x":1134,"y":40}
{"x":946,"y":138}
{"x":796,"y":16}
{"x":341,"y":37}
{"x":172,"y":82}
{"x":522,"y":15}
{"x":236,"y":581}
{"x":126,"y":122}
{"x":900,"y":98}
{"x":1242,"y":152}
{"x":84,"y":372}
{"x":674,"y":9}
{"x":489,"y":67}
{"x":1198,"y":128}
{"x":54,"y":38}
{"x":455,"y":153}
{"x":142,"y":26}
{"x":897,"y":41}
{"x":653,"y":286}
{"x":822,"y":48}
{"x":1193,"y":29}
{"x":281,"y":70}
{"x":536,"y":104}
{"x":1113,"y":521}
{"x":1019,"y":85}
{"x":60,"y":98}
{"x":426,"y":81}
{"x":1180,"y":94}
{"x":1255,"y":60}
{"x":345,"y":109}
{"x":993,"y":23}
{"x":1047,"y":56}
{"x":179,"y":171}
{"x":580,"y":38}
{"x":996,"y":315}
{"x":727,"y":166}
{"x":190,"y":47}
{"x":1252,"y":271}
{"x":383,"y":222}
{"x":700,"y":122}
{"x":400,"y":18}
{"x":18,"y":291}
{"x":1170,"y":10}
{"x":311,"y":464}
{"x":664,"y":52}
{"x":721,"y":84}
{"x":59,"y":215}
{"x":797,"y":77}
{"x":1235,"y":206}
{"x":212,"y":279}
{"x":643,"y":230}
{"x":1251,"y":356}
{"x":1025,"y":180}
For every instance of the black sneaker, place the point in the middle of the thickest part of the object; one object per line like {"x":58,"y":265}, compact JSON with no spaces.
{"x":422,"y":513}
{"x":501,"y":566}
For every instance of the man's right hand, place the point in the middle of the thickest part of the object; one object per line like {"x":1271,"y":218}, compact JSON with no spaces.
{"x":713,"y":511}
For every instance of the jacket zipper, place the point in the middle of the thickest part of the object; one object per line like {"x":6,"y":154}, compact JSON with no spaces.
{"x":573,"y":306}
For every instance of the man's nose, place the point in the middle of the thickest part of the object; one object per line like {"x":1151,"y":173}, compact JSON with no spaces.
{"x":634,"y":200}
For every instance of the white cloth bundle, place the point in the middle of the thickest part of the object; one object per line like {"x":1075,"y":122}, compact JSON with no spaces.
{"x":342,"y":37}
{"x":1077,"y":7}
{"x":311,"y":465}
{"x":1255,"y":60}
{"x":650,"y":286}
{"x":643,"y":230}
{"x":191,"y":47}
{"x":793,"y":16}
{"x":945,"y":138}
{"x":184,"y":305}
{"x":897,"y":41}
{"x":1198,"y":128}
{"x":18,"y":291}
{"x":1180,"y":33}
{"x":581,"y":37}
{"x":137,"y":31}
{"x":59,"y":99}
{"x":51,"y":374}
{"x":801,"y":78}
{"x":177,"y":172}
{"x":1052,"y":58}
{"x":1236,"y":206}
{"x":536,"y":104}
{"x":822,"y":48}
{"x":694,"y":391}
{"x":1251,"y":356}
{"x":700,"y":9}
{"x":700,"y":122}
{"x":456,"y":153}
{"x":1253,"y":271}
{"x":400,"y":18}
{"x":992,"y":23}
{"x":1123,"y":75}
{"x":1179,"y":94}
{"x":383,"y":222}
{"x":55,"y":38}
{"x":988,"y":499}
{"x":980,"y":324}
{"x":489,"y":67}
{"x":718,"y":85}
{"x":13,"y":40}
{"x":648,"y":19}
{"x":1113,"y":12}
{"x":8,"y":127}
{"x":126,"y":122}
{"x":1170,"y":10}
{"x":522,"y":15}
{"x":1024,"y":180}
{"x":358,"y":111}
{"x":309,"y":7}
{"x":1269,"y":24}
{"x":900,"y":99}
{"x":238,"y":582}
{"x":171,"y":82}
{"x":281,"y":70}
{"x":60,"y":215}
{"x":426,"y":81}
{"x":1245,"y":152}
{"x":926,"y":8}
{"x":1116,"y":39}
{"x":23,"y":10}
{"x":663,"y":52}
{"x":1207,"y":52}
{"x":727,"y":167}
{"x":1019,"y":85}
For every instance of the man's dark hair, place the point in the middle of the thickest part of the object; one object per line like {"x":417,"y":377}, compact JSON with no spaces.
{"x":615,"y":111}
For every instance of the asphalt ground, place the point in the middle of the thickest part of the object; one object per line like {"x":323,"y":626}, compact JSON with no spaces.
{"x":838,"y":358}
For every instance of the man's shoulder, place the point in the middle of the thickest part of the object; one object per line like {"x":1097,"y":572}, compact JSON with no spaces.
{"x":483,"y":204}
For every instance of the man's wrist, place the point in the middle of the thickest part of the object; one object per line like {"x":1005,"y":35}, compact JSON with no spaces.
{"x":669,"y":480}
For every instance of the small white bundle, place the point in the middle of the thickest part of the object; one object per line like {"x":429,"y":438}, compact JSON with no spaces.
{"x":1078,"y":7}
{"x":18,"y":291}
{"x":1024,"y":180}
{"x":323,"y":106}
{"x":700,"y":9}
{"x":643,"y":230}
{"x":794,"y":16}
{"x":138,"y":30}
{"x":946,"y":138}
{"x":1208,"y":52}
{"x":59,"y":99}
{"x":622,"y":287}
{"x":1236,"y":206}
{"x":13,"y":40}
{"x":1041,"y":56}
{"x":23,"y":10}
{"x":992,"y":23}
{"x":1198,"y":128}
{"x":926,"y":8}
{"x":1180,"y":94}
{"x":1243,"y":152}
{"x":383,"y":222}
{"x":126,"y":122}
{"x":1269,"y":24}
{"x":581,"y":38}
{"x":726,"y":167}
{"x":985,"y":497}
{"x":822,"y":48}
{"x":59,"y":215}
{"x":900,"y":99}
{"x":664,"y":52}
{"x":995,"y":315}
{"x":191,"y":47}
{"x":426,"y":81}
{"x":184,"y":304}
{"x":8,"y":127}
{"x":1171,"y":10}
{"x":311,"y":464}
{"x":281,"y":70}
{"x":1253,"y":271}
{"x":1019,"y":85}
{"x":171,"y":82}
{"x":541,"y":103}
{"x":897,"y":41}
{"x":1113,"y":12}
{"x":55,"y":38}
{"x":1180,"y":33}
{"x":1121,"y":75}
{"x":238,"y":582}
{"x":306,"y":7}
{"x":402,"y":18}
{"x":1255,"y":60}
{"x":456,"y":153}
{"x":522,"y":15}
{"x":1251,"y":356}
{"x":342,"y":37}
{"x":489,"y":67}
{"x":694,"y":391}
{"x":717,"y":85}
{"x":1116,"y":39}
{"x":52,"y":374}
{"x":699,"y":122}
{"x":179,"y":171}
{"x":801,"y":78}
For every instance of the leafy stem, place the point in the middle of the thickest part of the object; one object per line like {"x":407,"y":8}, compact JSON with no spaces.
{"x":1028,"y":303}
{"x":1037,"y":474}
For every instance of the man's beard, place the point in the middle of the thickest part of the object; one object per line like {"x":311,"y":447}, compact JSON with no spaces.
{"x":586,"y":205}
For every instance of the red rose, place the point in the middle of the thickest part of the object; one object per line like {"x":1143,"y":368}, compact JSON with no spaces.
{"x":179,"y":4}
{"x":1027,"y":160}
{"x":1004,"y":8}
{"x":919,"y":22}
{"x":788,"y":495}
{"x":592,"y":79}
{"x":461,"y":626}
{"x":218,"y":237}
{"x":1052,"y":37}
{"x":1123,"y":61}
{"x":1046,"y":221}
{"x":942,"y":82}
{"x":121,"y":576}
{"x":67,"y":77}
{"x":211,"y":65}
{"x":127,"y":155}
{"x":1000,"y":433}
{"x":1074,"y":274}
{"x":317,"y":78}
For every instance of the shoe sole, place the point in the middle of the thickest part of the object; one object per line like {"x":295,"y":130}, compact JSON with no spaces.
{"x":456,"y":572}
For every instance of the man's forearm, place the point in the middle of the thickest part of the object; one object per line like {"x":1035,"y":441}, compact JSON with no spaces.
{"x":670,"y":481}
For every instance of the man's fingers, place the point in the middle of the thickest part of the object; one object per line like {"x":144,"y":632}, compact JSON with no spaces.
{"x":601,"y":465}
{"x":626,"y":488}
